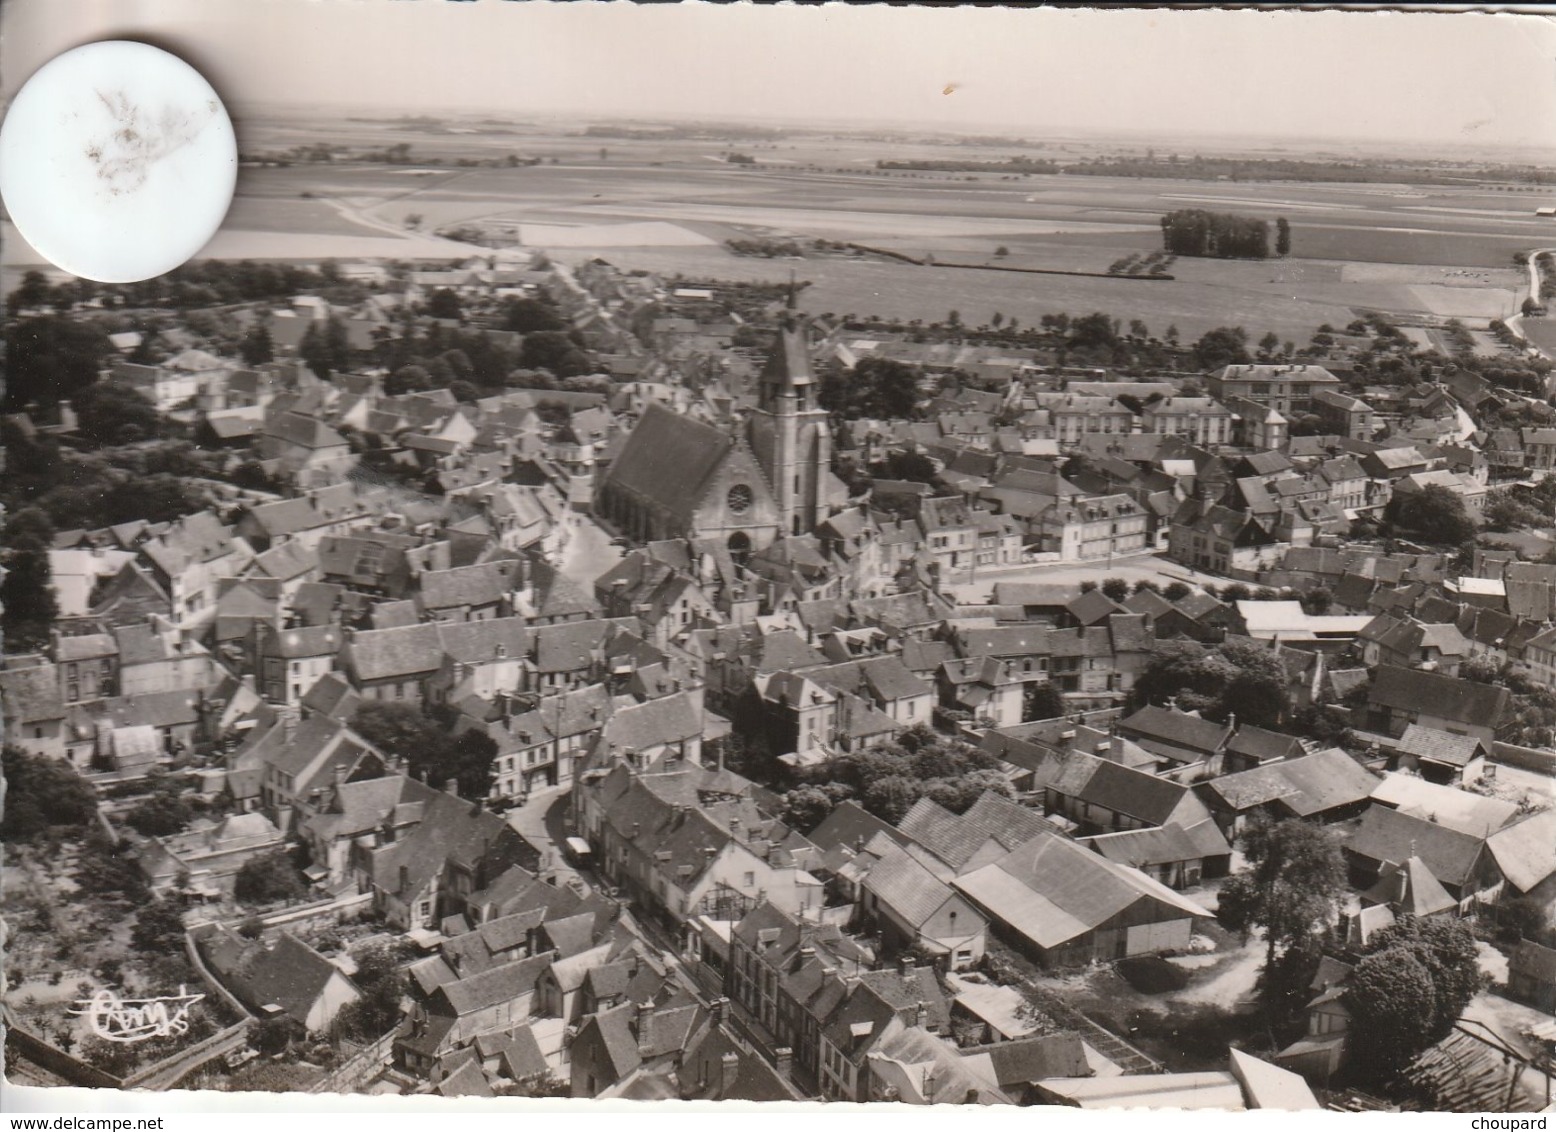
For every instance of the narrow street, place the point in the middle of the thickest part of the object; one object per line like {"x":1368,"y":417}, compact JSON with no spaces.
{"x":542,"y":821}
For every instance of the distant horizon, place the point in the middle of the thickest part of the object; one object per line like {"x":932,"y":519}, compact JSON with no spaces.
{"x":1472,"y":81}
{"x":1380,"y":147}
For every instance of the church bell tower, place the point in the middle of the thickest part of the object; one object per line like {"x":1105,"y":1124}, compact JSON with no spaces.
{"x":789,"y":431}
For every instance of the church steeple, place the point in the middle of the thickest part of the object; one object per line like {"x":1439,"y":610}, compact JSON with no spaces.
{"x":788,"y":371}
{"x":789,"y":431}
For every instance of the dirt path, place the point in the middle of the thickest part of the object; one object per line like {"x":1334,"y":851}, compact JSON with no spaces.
{"x":1232,"y":987}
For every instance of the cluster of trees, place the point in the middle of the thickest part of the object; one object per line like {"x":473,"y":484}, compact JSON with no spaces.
{"x":765,"y":248}
{"x":441,"y":357}
{"x":1201,"y":168}
{"x":1504,"y":512}
{"x":875,"y":389}
{"x":164,"y":811}
{"x":270,"y":878}
{"x":50,"y":359}
{"x":1237,"y":677}
{"x":1220,"y":235}
{"x":1407,"y":992}
{"x":114,"y":412}
{"x":888,"y":780}
{"x":383,"y":985}
{"x":430,"y":751}
{"x":42,"y":795}
{"x":74,"y":490}
{"x":1009,"y":165}
{"x":1434,"y":514}
{"x":1153,"y":263}
{"x":201,"y":283}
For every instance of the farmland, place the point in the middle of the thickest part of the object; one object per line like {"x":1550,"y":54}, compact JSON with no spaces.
{"x":668,"y":205}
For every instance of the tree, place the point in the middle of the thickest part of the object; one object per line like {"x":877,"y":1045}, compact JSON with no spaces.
{"x":41,"y":793}
{"x":1000,"y":253}
{"x":273,"y":1035}
{"x":528,"y":315}
{"x":1434,"y":513}
{"x":1522,"y":917}
{"x":382,"y":984}
{"x":877,"y":388}
{"x":407,"y":379}
{"x":806,"y":807}
{"x":27,"y":601}
{"x":1282,"y":236}
{"x":262,"y":880}
{"x":1256,"y":693}
{"x":1093,"y":331}
{"x":1268,"y":345}
{"x":1480,"y":669}
{"x":160,"y":815}
{"x":1318,"y":601}
{"x":50,"y":359}
{"x":257,"y":346}
{"x":892,"y":796}
{"x":1390,"y":999}
{"x":112,"y":412}
{"x":34,"y":291}
{"x":1223,"y":346}
{"x":1043,"y":701}
{"x":1171,"y":334}
{"x":1293,"y":889}
{"x":471,"y":761}
{"x":325,"y":347}
{"x":553,"y":351}
{"x":444,"y":303}
{"x":1115,"y":588}
{"x":1177,"y":591}
{"x":1446,"y":948}
{"x":158,"y":929}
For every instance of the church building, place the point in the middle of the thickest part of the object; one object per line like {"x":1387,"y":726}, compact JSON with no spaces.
{"x":677,"y":477}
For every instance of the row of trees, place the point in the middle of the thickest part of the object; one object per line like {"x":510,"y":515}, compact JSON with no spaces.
{"x":1220,"y":235}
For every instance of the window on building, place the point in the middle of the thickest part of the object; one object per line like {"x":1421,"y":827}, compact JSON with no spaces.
{"x":749,"y":880}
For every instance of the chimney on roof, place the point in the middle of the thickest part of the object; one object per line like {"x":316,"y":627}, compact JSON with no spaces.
{"x":783,"y":1061}
{"x":905,"y":966}
{"x":451,"y":786}
{"x":921,"y":1014}
{"x":405,"y":878}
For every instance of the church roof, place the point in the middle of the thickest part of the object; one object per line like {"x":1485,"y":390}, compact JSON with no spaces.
{"x":669,"y":458}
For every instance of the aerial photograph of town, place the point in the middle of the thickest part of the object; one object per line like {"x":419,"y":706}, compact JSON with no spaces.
{"x":978,"y":557}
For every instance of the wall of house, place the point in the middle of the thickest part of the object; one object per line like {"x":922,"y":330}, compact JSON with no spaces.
{"x":337,"y":993}
{"x":490,"y":1019}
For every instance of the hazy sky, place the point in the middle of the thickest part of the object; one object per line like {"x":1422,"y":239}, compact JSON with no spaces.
{"x":1413,"y":77}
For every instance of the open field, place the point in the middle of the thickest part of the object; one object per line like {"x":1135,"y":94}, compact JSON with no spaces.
{"x":668,"y":204}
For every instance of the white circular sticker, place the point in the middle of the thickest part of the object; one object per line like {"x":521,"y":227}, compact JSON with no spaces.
{"x":117,"y":161}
